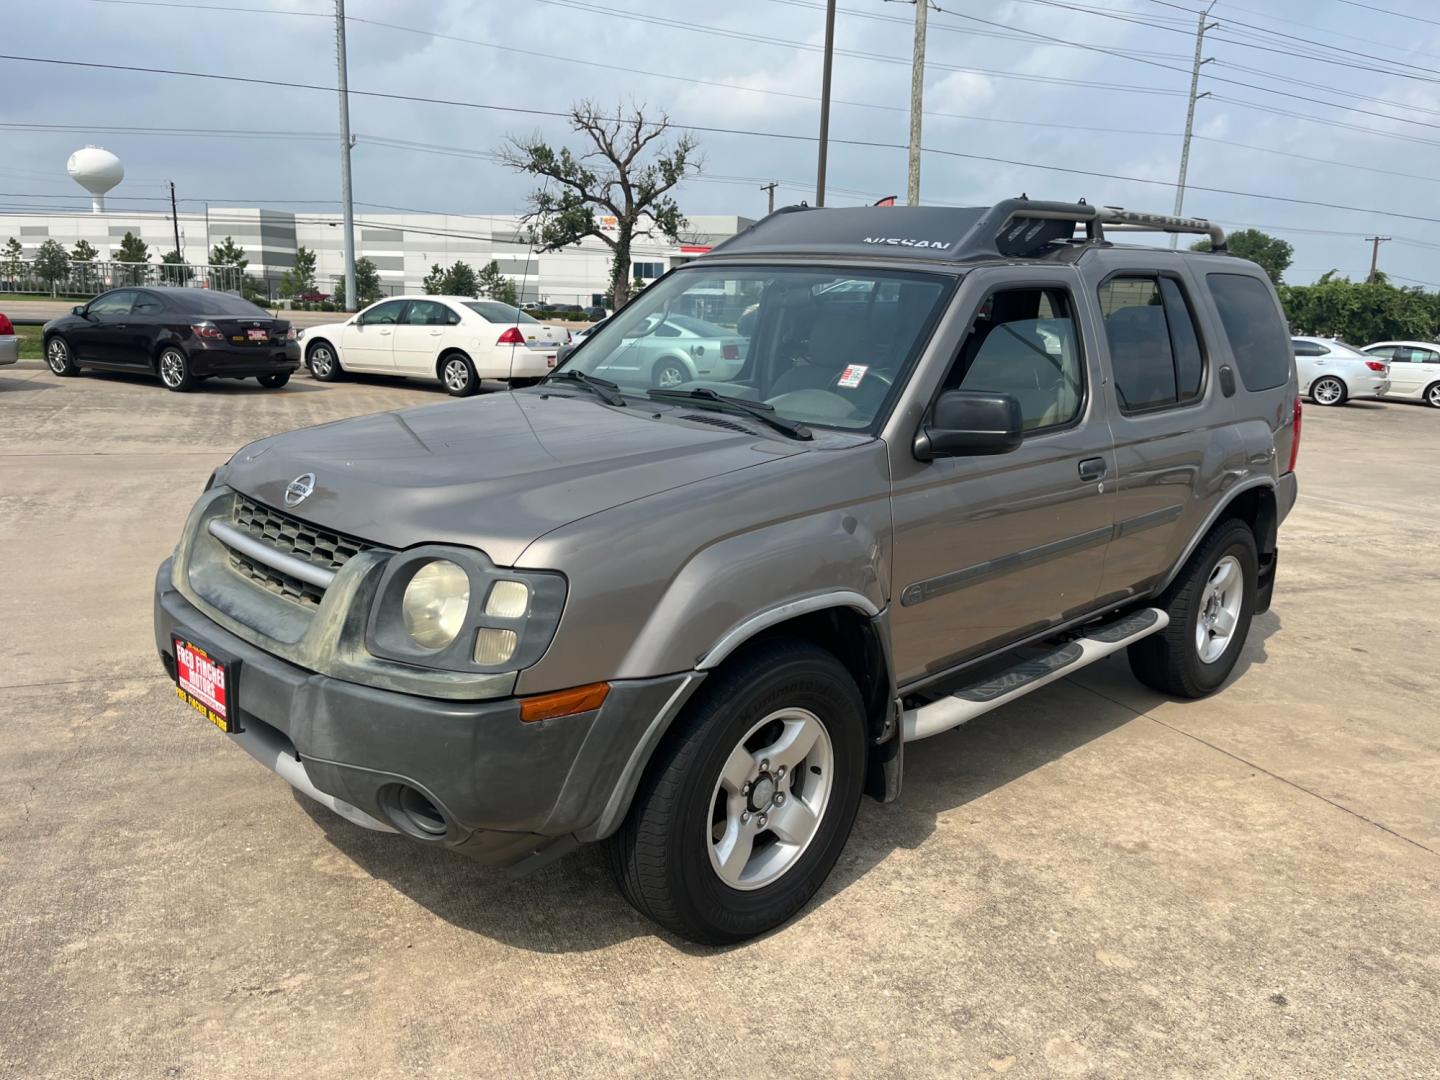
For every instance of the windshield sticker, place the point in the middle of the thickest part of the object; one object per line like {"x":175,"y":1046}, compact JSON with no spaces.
{"x":851,"y":376}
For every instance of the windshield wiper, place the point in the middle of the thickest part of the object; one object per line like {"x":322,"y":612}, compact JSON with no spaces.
{"x":757,"y":409}
{"x":604,"y":389}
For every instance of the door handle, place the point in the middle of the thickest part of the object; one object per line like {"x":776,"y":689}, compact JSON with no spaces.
{"x":384,"y":331}
{"x":1092,"y":468}
{"x":436,"y":333}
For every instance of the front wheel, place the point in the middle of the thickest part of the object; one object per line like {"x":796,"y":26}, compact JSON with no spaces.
{"x":744,"y":811}
{"x":273,"y":382}
{"x":1328,"y":391}
{"x":1210,"y":606}
{"x":59,"y":358}
{"x":324,"y":364}
{"x":458,"y":376}
{"x":174,"y":370}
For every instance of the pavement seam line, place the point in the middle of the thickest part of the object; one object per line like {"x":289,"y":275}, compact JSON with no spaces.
{"x":73,"y":682}
{"x":1260,"y":768}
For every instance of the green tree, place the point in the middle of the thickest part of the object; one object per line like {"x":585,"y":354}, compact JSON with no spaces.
{"x":495,"y":285}
{"x":1361,"y":312}
{"x":1270,"y":253}
{"x":434,"y":283}
{"x":174,"y":270}
{"x":82,"y":258}
{"x":615,"y":189}
{"x":134,"y":251}
{"x":52,"y":264}
{"x":367,"y":285}
{"x":228,"y":253}
{"x":460,"y":280}
{"x":12,"y":262}
{"x":299,"y":279}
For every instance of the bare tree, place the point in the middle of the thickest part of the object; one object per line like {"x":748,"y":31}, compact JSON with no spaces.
{"x":624,"y":176}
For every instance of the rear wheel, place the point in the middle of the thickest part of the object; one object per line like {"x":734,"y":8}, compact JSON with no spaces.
{"x":1432,"y":395}
{"x":669,"y":373}
{"x":174,"y":370}
{"x":1210,"y":606}
{"x":458,"y":376}
{"x":745,"y":810}
{"x":324,"y":364}
{"x":1328,"y":391}
{"x":273,"y":382}
{"x":59,"y":358}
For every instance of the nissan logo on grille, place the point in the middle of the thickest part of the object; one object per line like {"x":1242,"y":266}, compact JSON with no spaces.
{"x":299,"y":489}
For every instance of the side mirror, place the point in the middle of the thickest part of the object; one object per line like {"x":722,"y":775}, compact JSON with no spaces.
{"x":967,"y":423}
{"x":78,"y":309}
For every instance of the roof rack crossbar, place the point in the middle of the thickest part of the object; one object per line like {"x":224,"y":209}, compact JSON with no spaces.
{"x":1140,"y":221}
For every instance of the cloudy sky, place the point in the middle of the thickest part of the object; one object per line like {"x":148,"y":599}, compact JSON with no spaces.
{"x":1016,"y":94}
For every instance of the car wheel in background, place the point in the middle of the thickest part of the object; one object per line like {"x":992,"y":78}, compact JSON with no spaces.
{"x":669,"y":373}
{"x":273,"y":382}
{"x":174,"y":370}
{"x":458,"y":376}
{"x":748,"y":804}
{"x":1210,"y":605}
{"x":59,"y":358}
{"x":323,"y":362}
{"x":1432,"y":395}
{"x":1328,"y":391}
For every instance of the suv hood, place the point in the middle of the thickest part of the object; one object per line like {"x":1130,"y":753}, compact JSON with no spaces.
{"x":495,"y":472}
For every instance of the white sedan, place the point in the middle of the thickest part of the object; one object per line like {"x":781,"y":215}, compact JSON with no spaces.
{"x":456,"y":339}
{"x":1414,"y":368}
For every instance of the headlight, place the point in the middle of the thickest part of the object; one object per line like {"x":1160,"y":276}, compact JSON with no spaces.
{"x":435,"y":604}
{"x":422,"y":612}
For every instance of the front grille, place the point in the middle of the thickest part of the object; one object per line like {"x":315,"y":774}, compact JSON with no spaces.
{"x":324,"y":548}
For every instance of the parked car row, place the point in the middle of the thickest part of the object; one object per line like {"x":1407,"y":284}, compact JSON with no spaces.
{"x":1332,"y":372}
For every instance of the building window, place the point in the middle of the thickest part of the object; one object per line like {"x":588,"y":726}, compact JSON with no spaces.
{"x":648,"y":269}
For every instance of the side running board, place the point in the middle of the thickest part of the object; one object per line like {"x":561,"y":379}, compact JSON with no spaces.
{"x":1098,"y":642}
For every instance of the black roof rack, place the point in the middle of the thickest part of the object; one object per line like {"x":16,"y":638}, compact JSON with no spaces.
{"x":1012,"y":228}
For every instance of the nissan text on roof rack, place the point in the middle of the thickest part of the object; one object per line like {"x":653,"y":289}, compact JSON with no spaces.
{"x":697,"y":619}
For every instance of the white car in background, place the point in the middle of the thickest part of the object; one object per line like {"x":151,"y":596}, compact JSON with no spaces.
{"x":1414,"y":369}
{"x":1332,"y":372}
{"x":456,"y":339}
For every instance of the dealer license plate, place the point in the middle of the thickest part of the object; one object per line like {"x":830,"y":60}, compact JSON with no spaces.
{"x":206,"y":682}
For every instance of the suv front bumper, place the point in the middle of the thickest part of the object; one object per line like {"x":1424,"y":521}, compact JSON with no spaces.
{"x":507,"y":790}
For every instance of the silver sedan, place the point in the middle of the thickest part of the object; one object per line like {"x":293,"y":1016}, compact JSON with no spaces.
{"x":1332,"y":372}
{"x":677,"y":349}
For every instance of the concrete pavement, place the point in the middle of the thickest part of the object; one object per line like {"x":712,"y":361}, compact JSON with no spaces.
{"x":1092,"y":881}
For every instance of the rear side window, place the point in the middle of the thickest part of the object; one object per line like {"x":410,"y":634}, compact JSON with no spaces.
{"x":1309,"y":348}
{"x":1253,"y":327}
{"x":1155,"y":352}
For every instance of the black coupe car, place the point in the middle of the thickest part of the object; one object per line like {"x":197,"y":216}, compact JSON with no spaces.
{"x":181,"y":335}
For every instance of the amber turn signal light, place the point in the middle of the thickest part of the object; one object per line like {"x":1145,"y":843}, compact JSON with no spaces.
{"x":577,"y":699}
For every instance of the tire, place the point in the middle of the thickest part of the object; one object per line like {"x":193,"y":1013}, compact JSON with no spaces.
{"x":273,"y":382}
{"x":667,"y":855}
{"x":1174,"y":661}
{"x":1328,"y":390}
{"x":324,"y":362}
{"x":174,"y":370}
{"x":669,"y":373}
{"x":59,"y":358}
{"x":457,"y":375}
{"x":1432,"y":395}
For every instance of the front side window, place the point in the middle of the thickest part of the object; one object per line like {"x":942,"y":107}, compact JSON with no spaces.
{"x":1024,"y":343}
{"x":773,"y":334}
{"x":386,"y":314}
{"x":1155,"y":354}
{"x":113,"y":303}
{"x":1254,"y":329}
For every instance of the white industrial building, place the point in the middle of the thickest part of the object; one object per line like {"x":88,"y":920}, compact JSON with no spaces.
{"x":403,"y":247}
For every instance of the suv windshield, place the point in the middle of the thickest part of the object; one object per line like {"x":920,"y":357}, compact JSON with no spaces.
{"x":824,"y":347}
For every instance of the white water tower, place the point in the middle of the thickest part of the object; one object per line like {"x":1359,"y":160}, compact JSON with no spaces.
{"x":97,"y":171}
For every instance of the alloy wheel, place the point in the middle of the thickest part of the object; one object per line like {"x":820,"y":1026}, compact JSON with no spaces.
{"x":172,"y":368}
{"x":1220,"y":604}
{"x":457,"y":375}
{"x":1328,"y":392}
{"x":1433,"y":396}
{"x":770,"y":798}
{"x":57,"y":355}
{"x":669,"y":376}
{"x":322,"y":362}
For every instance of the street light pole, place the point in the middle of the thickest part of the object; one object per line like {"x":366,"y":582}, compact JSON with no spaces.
{"x":917,"y":97}
{"x":1190,"y":113}
{"x":351,"y":300}
{"x":825,"y":102}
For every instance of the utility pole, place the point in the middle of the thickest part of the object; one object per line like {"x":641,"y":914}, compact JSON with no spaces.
{"x":1201,"y":27}
{"x":917,"y":96}
{"x":769,"y":189}
{"x":1375,"y":242}
{"x":175,"y":221}
{"x":825,"y":102}
{"x":351,"y":300}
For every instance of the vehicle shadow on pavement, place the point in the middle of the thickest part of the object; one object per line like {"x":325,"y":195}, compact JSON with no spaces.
{"x":16,"y":385}
{"x":573,"y":906}
{"x":208,"y":386}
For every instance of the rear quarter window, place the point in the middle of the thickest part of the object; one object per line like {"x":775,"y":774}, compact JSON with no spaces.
{"x":1258,"y":338}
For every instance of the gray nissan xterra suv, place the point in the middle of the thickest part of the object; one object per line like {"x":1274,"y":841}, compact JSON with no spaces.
{"x":959,"y":454}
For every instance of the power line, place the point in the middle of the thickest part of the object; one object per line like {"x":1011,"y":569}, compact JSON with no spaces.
{"x":1387,"y":11}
